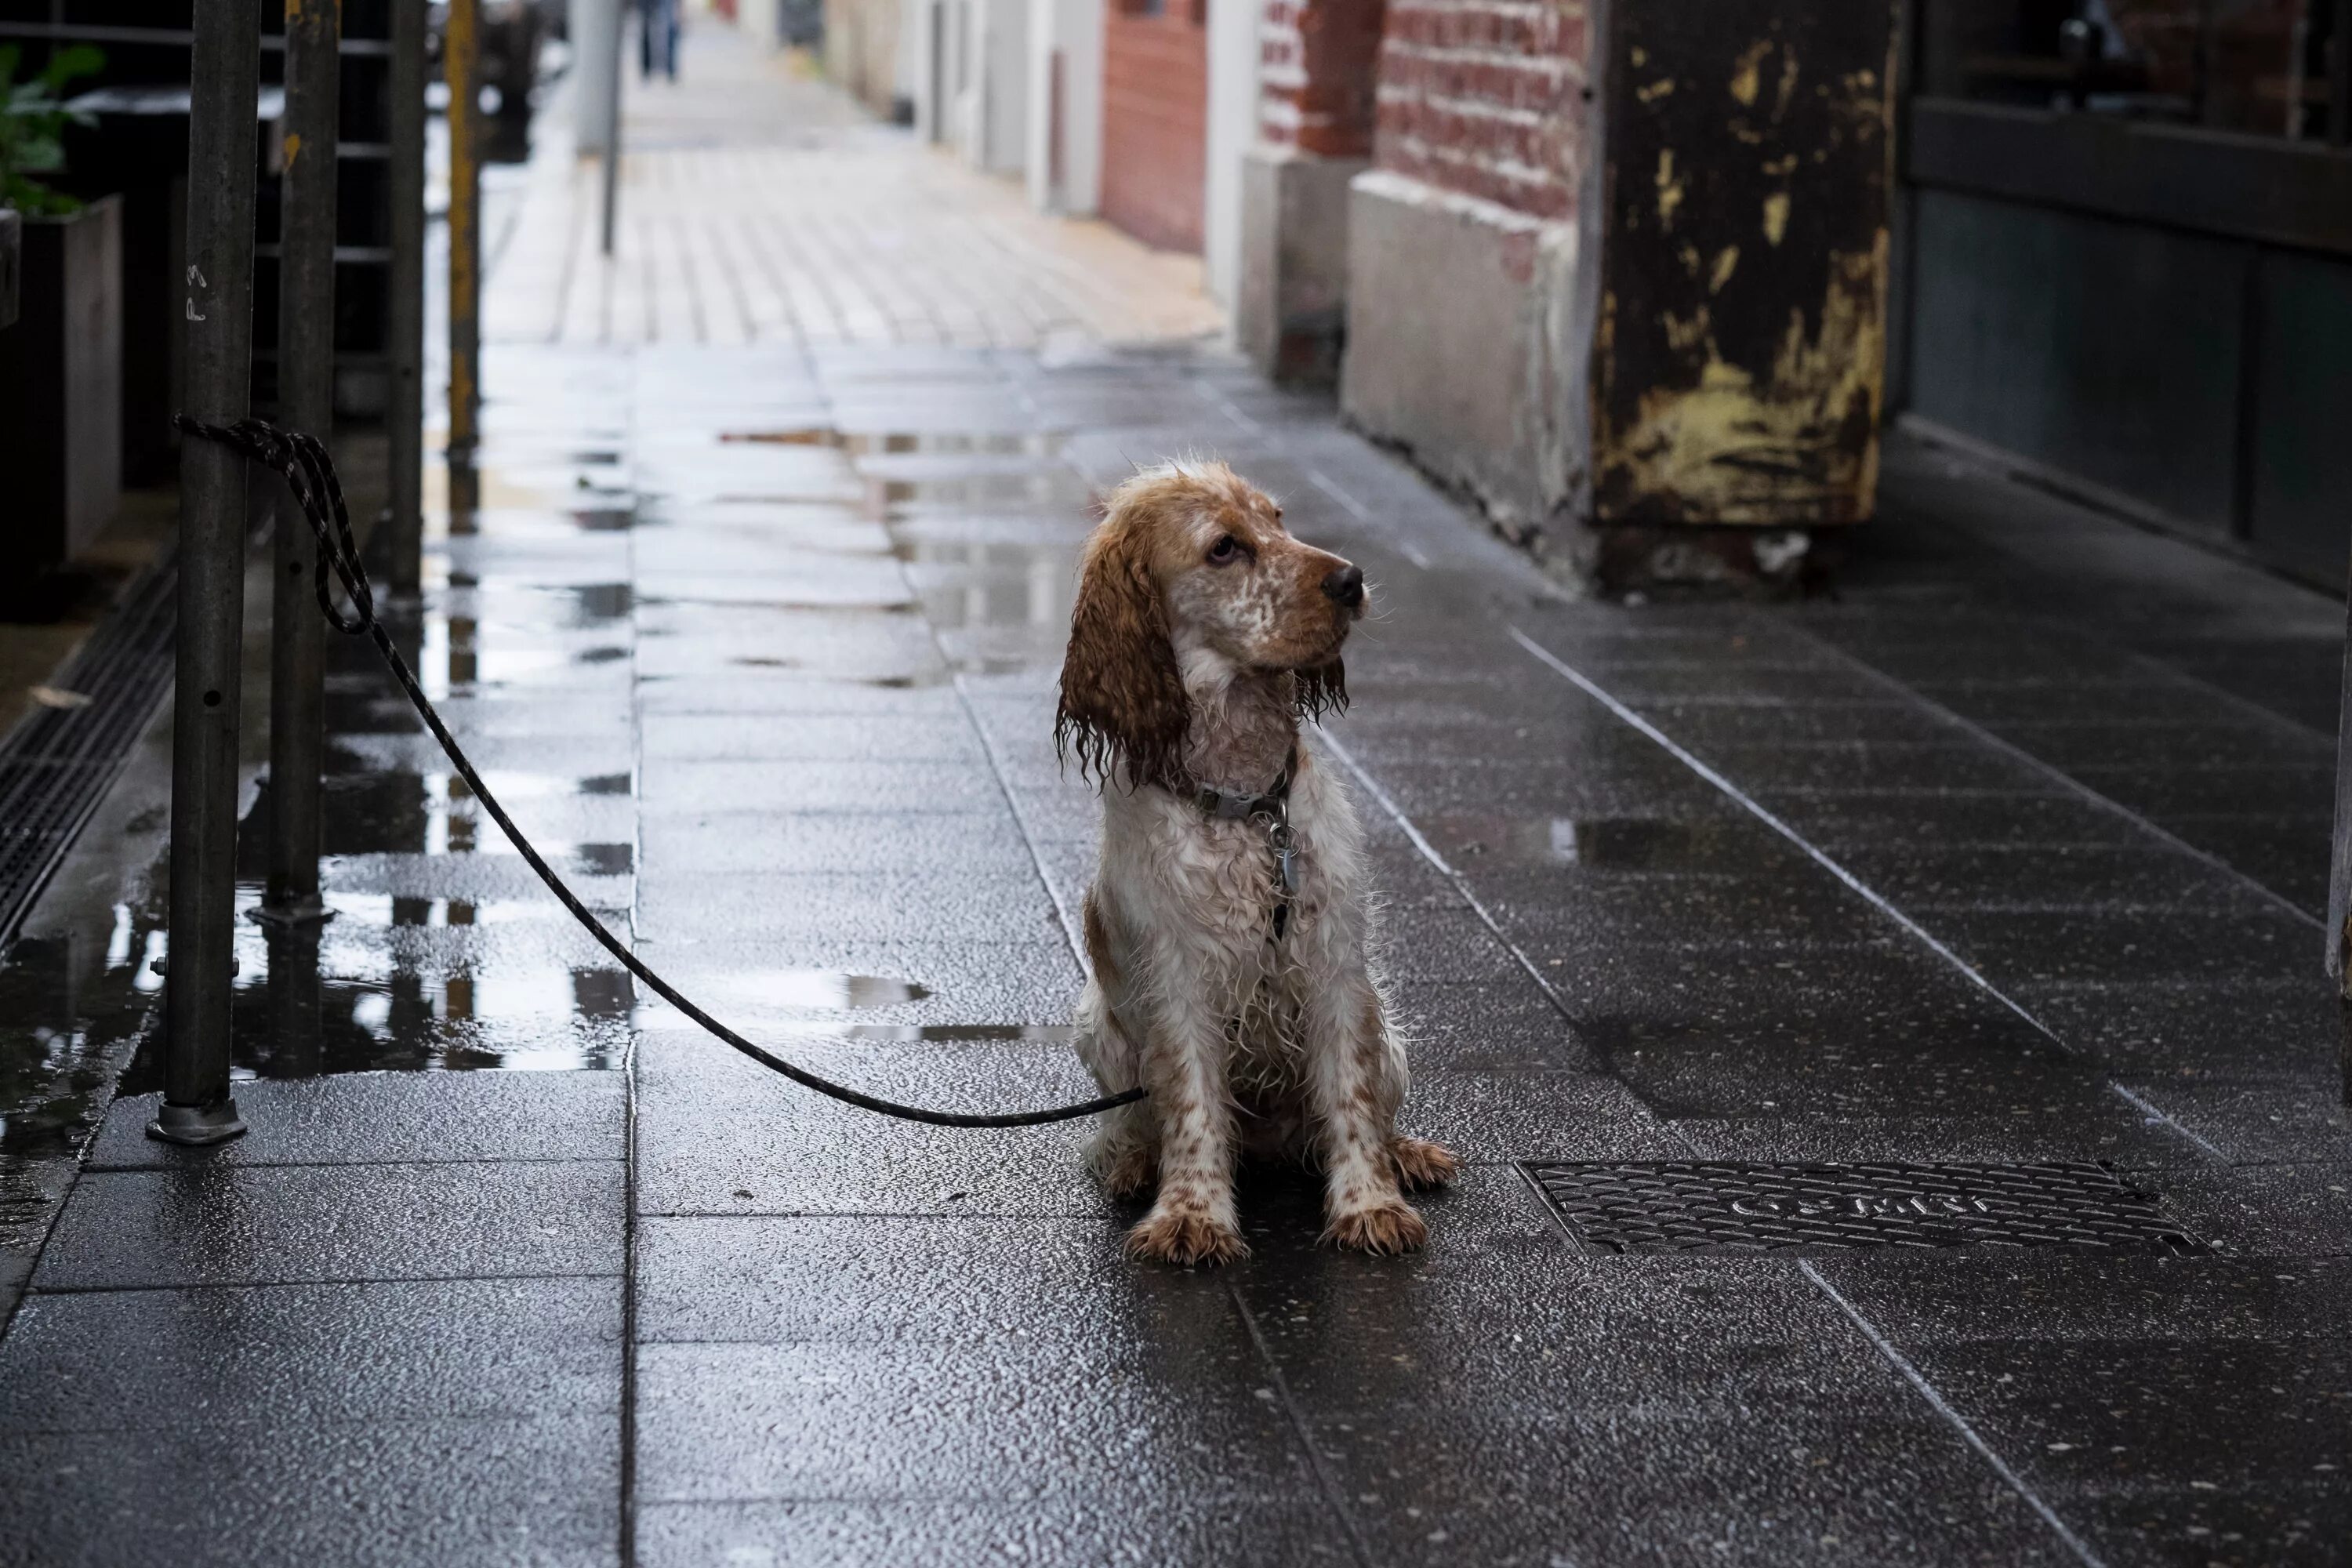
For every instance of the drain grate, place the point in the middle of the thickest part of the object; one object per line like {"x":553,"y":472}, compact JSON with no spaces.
{"x":58,"y":763}
{"x":1659,"y":1208}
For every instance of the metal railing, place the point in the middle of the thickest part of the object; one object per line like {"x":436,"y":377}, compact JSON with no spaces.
{"x":223,"y":151}
{"x":198,"y":1108}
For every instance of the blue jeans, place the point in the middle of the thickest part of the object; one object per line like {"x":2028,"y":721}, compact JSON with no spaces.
{"x":657,"y":38}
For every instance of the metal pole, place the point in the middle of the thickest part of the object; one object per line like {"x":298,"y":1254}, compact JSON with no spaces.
{"x":404,"y":402}
{"x":306,"y":399}
{"x":459,"y":55}
{"x":218,"y":321}
{"x":611,"y":171}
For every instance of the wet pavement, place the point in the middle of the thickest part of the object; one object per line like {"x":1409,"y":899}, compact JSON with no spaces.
{"x":2007,"y":854}
{"x":761,"y":646}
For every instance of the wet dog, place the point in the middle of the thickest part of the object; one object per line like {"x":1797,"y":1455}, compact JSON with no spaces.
{"x":1229,"y":922}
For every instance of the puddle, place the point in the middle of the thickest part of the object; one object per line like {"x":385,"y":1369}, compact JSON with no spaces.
{"x":71,"y":1013}
{"x":476,"y":967}
{"x":1609,"y":844}
{"x":1055,"y":488}
{"x":1037,"y":444}
{"x":809,"y":988}
{"x":943,"y":1034}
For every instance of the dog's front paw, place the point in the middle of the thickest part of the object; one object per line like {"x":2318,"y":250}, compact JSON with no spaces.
{"x":1422,"y":1165}
{"x":1383,"y":1231}
{"x":1184,"y":1236}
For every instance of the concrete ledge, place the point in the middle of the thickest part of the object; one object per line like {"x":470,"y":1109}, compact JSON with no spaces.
{"x":1290,"y":308}
{"x":1454,"y":306}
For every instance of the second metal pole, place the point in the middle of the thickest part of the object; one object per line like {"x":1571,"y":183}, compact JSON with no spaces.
{"x":610,"y":174}
{"x":405,"y":312}
{"x":306,"y":397}
{"x":218,"y":321}
{"x":459,"y":55}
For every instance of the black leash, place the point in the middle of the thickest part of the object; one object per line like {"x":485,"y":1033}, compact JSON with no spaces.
{"x":302,"y":461}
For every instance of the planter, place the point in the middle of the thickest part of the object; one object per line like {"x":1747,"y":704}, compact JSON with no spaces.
{"x":61,"y":390}
{"x":12,"y":235}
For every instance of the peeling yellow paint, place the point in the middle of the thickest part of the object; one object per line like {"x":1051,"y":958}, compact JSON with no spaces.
{"x":1670,"y":189}
{"x":1685,"y":333}
{"x":1796,"y":444}
{"x":293,"y":148}
{"x":1639,"y":55}
{"x":1726,"y":262}
{"x":1776,"y":216}
{"x":1655,"y":90}
{"x":1746,"y":77}
{"x":1688,"y":256}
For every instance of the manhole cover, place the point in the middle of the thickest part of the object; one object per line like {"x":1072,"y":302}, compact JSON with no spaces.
{"x":1693,"y":1207}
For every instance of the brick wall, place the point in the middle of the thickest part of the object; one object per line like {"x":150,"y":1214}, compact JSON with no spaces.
{"x":1485,"y":98}
{"x":1315,"y":61}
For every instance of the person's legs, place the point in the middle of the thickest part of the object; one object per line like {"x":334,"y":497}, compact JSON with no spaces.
{"x":670,"y":23}
{"x":646,"y":10}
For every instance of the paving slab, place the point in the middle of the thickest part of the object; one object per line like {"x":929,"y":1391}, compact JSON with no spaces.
{"x":534,"y":1491}
{"x":1049,"y":1532}
{"x":268,"y":1356}
{"x":283,"y":1223}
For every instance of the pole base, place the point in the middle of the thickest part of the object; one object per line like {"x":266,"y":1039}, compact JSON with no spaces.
{"x":303,"y":912}
{"x":196,"y":1126}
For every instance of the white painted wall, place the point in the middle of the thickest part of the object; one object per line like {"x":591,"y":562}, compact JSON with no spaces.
{"x":1074,"y":27}
{"x":909,"y":70}
{"x":1001,"y":127}
{"x":931,"y":81}
{"x":1233,"y":129}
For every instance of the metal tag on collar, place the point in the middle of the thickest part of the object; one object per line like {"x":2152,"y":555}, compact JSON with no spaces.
{"x":1285,"y":857}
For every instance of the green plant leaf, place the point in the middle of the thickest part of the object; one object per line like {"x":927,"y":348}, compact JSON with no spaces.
{"x":81,"y":59}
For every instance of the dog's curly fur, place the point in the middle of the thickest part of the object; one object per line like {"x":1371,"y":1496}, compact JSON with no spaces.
{"x":1202,"y":635}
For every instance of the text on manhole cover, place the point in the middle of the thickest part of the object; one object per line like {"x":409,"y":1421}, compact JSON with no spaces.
{"x":1651,"y":1206}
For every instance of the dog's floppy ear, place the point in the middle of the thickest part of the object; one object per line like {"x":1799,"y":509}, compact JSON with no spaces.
{"x":1322,"y":689}
{"x":1123,"y":703}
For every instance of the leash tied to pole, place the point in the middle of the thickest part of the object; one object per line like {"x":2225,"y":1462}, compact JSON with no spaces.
{"x":302,"y":461}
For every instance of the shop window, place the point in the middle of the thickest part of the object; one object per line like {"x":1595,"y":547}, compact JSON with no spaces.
{"x":2263,"y":67}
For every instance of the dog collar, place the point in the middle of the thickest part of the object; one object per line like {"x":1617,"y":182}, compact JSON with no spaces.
{"x":1273,"y":805}
{"x":1232,"y":805}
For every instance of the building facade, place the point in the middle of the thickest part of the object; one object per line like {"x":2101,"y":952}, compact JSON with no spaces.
{"x":1649,"y":281}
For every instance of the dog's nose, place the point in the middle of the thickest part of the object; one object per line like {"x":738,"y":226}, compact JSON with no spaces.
{"x":1346,"y":585}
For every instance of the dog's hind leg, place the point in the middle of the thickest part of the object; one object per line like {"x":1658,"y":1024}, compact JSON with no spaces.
{"x":1422,"y":1165}
{"x":1126,"y":1153}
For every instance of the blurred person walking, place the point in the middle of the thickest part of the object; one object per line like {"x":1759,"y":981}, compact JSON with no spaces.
{"x":657,"y":38}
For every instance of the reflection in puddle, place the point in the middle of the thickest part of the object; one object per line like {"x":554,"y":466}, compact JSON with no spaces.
{"x":941,"y":1033}
{"x":1036,"y":444}
{"x":1041,"y":487}
{"x":1611,"y":844}
{"x":814,"y":988}
{"x":70,"y":1014}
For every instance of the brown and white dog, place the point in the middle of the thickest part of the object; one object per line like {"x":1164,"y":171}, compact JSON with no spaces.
{"x":1243,"y":999}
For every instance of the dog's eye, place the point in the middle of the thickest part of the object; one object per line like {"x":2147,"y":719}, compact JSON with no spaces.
{"x":1226,"y":548}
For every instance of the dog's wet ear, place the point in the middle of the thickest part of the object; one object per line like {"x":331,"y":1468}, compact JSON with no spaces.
{"x":1123,"y":707}
{"x":1322,"y":689}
